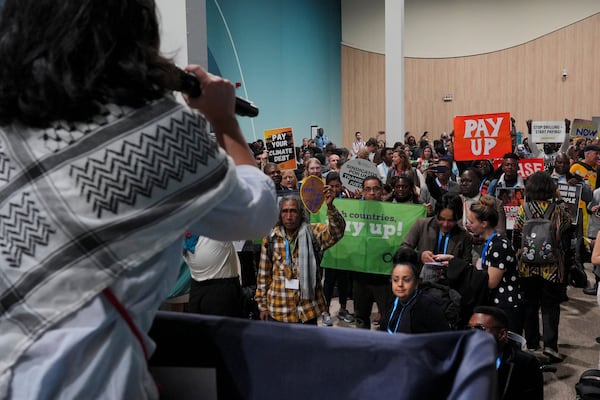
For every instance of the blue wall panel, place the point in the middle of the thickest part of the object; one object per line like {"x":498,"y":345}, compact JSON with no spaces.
{"x":288,"y":59}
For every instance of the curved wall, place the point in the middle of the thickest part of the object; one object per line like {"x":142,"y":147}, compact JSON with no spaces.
{"x":525,"y":80}
{"x":442,"y":28}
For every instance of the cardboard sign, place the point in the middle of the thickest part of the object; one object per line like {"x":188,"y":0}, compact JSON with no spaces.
{"x":280,"y":144}
{"x":481,"y":137}
{"x":354,"y":172}
{"x":527,"y":166}
{"x":584,"y":128}
{"x":548,"y":131}
{"x":311,"y":193}
{"x":511,"y":199}
{"x":571,"y":195}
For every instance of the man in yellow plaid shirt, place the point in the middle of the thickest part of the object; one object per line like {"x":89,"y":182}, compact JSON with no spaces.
{"x":288,"y":287}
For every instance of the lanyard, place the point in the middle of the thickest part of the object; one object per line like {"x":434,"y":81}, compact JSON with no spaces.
{"x":439,"y":243}
{"x":288,"y":252}
{"x":485,"y":249}
{"x":401,"y":311}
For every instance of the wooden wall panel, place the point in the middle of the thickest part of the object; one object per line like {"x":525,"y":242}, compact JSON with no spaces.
{"x":363,"y":94}
{"x":524,"y":80}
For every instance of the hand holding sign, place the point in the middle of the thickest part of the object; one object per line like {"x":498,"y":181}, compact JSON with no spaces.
{"x":312,"y":193}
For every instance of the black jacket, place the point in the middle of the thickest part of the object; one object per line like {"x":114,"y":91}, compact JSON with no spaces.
{"x":519,"y":376}
{"x":423,"y":315}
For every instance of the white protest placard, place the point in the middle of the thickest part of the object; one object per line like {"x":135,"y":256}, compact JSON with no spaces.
{"x":548,"y":131}
{"x":353,"y":173}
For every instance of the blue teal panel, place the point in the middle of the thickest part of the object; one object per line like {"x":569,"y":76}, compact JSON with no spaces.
{"x":288,"y":58}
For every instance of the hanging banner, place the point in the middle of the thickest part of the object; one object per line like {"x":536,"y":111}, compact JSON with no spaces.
{"x":280,"y":144}
{"x":374,"y":231}
{"x":482,"y":137}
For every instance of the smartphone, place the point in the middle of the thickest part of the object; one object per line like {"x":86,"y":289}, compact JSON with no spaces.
{"x":441,"y":169}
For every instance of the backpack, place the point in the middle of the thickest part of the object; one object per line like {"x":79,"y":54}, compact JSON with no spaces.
{"x":588,"y":386}
{"x":447,"y":298}
{"x":540,"y":239}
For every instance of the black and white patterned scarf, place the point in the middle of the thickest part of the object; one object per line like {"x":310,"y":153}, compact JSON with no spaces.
{"x":82,"y":203}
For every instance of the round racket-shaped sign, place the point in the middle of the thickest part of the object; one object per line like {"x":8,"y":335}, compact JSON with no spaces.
{"x":311,"y":193}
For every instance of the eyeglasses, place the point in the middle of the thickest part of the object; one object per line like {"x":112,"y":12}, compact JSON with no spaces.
{"x":483,"y":327}
{"x":372,"y":189}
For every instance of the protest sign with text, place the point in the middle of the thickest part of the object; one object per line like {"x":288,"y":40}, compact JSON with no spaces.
{"x":354,"y":172}
{"x":571,"y":196}
{"x":527,"y":166}
{"x":511,"y":199}
{"x":482,"y":137}
{"x":311,"y":193}
{"x":584,"y":128}
{"x":548,"y":131}
{"x":374,"y":231}
{"x":280,"y":144}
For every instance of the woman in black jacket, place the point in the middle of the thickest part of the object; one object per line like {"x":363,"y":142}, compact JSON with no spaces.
{"x":413,"y":310}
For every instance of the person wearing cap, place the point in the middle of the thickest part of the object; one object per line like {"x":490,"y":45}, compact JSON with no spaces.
{"x":587,"y":168}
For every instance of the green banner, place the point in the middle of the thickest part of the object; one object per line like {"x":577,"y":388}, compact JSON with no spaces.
{"x":374,"y":231}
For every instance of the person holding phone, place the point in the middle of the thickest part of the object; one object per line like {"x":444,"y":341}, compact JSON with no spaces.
{"x":438,"y":180}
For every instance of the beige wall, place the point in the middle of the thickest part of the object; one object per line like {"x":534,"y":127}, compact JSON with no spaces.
{"x":524,"y":80}
{"x":442,"y":28}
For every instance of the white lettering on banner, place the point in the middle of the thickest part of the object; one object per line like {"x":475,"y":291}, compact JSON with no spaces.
{"x":526,"y":169}
{"x":481,"y":126}
{"x":488,"y":145}
{"x":476,"y":128}
{"x":384,"y":230}
{"x":357,"y":225}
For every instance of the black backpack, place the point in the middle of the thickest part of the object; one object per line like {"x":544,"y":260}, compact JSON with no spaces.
{"x":447,"y":298}
{"x":540,"y":239}
{"x":588,"y":387}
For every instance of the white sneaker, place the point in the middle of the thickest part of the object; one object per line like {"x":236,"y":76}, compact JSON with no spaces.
{"x":327,"y":319}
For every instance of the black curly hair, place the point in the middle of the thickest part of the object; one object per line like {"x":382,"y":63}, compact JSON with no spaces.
{"x":61,"y":59}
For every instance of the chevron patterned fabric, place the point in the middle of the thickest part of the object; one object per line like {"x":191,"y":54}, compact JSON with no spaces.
{"x":85,"y":202}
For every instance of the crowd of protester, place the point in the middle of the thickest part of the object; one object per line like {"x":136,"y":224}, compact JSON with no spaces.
{"x":465,"y":232}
